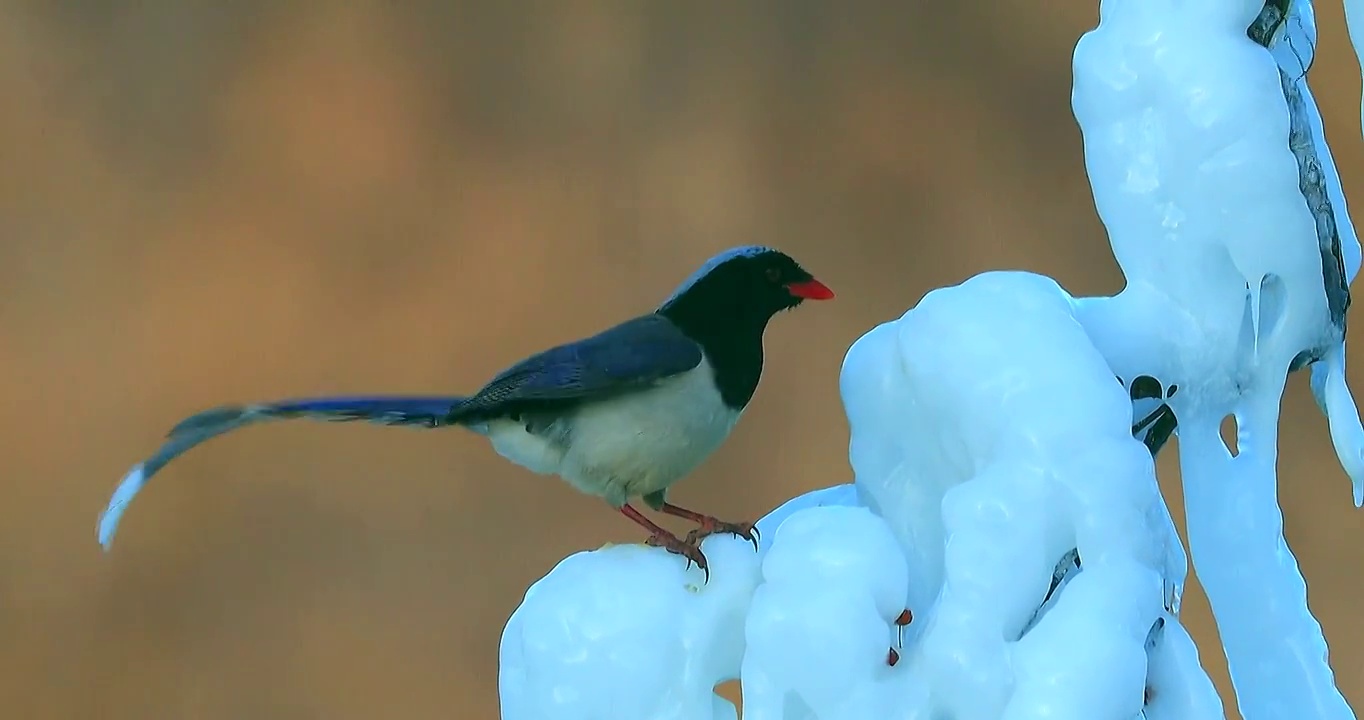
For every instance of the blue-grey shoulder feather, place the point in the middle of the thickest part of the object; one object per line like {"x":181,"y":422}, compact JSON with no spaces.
{"x":631,"y":355}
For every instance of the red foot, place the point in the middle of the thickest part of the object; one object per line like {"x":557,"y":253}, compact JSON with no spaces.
{"x":711,"y":526}
{"x":685,"y":548}
{"x":892,"y":657}
{"x":658,"y":537}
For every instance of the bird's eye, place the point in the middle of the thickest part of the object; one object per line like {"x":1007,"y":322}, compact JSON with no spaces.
{"x":774,"y":274}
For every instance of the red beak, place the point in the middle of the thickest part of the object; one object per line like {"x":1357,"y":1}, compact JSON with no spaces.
{"x":810,"y":290}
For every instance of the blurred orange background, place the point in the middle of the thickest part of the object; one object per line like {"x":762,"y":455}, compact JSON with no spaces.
{"x":218,"y":202}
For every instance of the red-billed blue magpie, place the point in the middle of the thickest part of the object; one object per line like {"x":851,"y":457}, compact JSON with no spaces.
{"x":623,"y":414}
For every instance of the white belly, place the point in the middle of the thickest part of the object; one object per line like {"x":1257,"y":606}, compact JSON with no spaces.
{"x":628,"y":446}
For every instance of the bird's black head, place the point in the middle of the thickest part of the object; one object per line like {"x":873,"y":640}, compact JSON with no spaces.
{"x":726,"y":304}
{"x":743,"y":286}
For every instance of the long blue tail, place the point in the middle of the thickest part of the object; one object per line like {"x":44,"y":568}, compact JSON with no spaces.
{"x":426,"y":412}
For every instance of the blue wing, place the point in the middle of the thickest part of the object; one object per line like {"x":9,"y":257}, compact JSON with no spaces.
{"x":629,"y":356}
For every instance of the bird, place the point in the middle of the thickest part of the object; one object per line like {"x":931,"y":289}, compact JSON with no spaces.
{"x":621,"y":415}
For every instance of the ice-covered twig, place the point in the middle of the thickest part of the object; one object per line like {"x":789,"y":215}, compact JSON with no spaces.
{"x":1221,"y":203}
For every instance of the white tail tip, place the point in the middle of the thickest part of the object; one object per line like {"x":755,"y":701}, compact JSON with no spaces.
{"x":125,"y":492}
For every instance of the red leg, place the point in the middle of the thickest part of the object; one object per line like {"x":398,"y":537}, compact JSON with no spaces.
{"x":644,"y":522}
{"x":710,"y":525}
{"x":658,"y":537}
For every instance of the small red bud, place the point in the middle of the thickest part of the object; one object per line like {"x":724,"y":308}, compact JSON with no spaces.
{"x":901,"y":621}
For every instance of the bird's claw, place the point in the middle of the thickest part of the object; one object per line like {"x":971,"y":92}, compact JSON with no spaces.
{"x":686,"y":548}
{"x":711,"y":526}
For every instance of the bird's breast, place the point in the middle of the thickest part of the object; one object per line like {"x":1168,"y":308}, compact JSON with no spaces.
{"x":650,"y":439}
{"x":629,"y":445}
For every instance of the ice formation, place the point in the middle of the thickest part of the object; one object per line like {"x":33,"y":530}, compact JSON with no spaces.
{"x":1003,"y":435}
